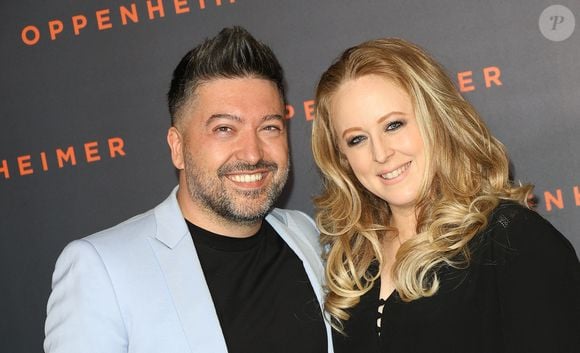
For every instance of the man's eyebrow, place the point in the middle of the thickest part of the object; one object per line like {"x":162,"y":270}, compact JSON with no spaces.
{"x":222,"y":116}
{"x":236,"y":118}
{"x":273,"y":117}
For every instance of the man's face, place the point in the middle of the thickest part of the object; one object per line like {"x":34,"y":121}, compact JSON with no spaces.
{"x":233,"y":148}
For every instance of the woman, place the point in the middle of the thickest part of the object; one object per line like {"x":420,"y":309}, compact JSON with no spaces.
{"x":430,"y":248}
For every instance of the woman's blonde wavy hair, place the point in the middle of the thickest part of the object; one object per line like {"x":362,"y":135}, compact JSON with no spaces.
{"x":466,"y":177}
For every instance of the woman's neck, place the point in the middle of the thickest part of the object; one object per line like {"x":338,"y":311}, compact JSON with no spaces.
{"x":405,"y":220}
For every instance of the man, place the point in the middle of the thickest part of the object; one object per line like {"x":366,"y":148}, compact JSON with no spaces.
{"x":203,"y":272}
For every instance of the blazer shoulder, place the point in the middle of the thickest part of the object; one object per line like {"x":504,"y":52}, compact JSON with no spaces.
{"x":298,"y":221}
{"x":127,"y":232}
{"x":165,"y":215}
{"x":294,"y":218}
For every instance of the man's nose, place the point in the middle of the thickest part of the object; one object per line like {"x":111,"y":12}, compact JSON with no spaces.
{"x":250,"y":148}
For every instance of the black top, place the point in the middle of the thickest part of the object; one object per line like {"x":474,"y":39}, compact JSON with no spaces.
{"x":521,"y":293}
{"x":261,"y":293}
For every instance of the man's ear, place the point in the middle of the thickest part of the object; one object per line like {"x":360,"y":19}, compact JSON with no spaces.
{"x":175,"y":142}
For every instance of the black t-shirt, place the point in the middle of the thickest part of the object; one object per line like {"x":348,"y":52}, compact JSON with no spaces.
{"x":261,"y":293}
{"x":521,"y":293}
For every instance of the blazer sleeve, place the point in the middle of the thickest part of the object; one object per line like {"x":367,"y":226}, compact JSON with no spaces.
{"x":83,"y":314}
{"x":539,"y":285}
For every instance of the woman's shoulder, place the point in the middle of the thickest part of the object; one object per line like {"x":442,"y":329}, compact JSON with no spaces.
{"x":510,"y":213}
{"x":518,"y":230}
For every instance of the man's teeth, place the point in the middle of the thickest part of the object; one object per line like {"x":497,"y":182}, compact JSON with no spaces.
{"x":246,"y":178}
{"x":395,"y":173}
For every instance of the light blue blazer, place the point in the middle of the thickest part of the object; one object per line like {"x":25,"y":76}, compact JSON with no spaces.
{"x":139,"y":286}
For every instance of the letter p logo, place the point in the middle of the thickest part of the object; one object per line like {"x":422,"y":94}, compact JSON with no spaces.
{"x":557,"y":23}
{"x":556,"y":20}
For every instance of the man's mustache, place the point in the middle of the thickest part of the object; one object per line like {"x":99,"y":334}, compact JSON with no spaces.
{"x":241,"y":166}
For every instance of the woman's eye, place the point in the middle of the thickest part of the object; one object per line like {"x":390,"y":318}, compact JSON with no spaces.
{"x":393,"y":125}
{"x":353,"y":141}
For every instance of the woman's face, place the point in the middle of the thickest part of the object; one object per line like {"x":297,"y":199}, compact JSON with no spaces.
{"x":378,"y":133}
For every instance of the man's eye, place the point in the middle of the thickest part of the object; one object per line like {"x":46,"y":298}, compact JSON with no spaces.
{"x":353,"y":141}
{"x":223,"y":129}
{"x":394,"y":125}
{"x":272,"y":128}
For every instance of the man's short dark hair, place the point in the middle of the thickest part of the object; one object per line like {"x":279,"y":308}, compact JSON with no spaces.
{"x":233,"y":53}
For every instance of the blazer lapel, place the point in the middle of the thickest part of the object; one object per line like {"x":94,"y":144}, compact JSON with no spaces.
{"x":296,"y":237}
{"x":185,"y":280}
{"x":310,"y":256}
